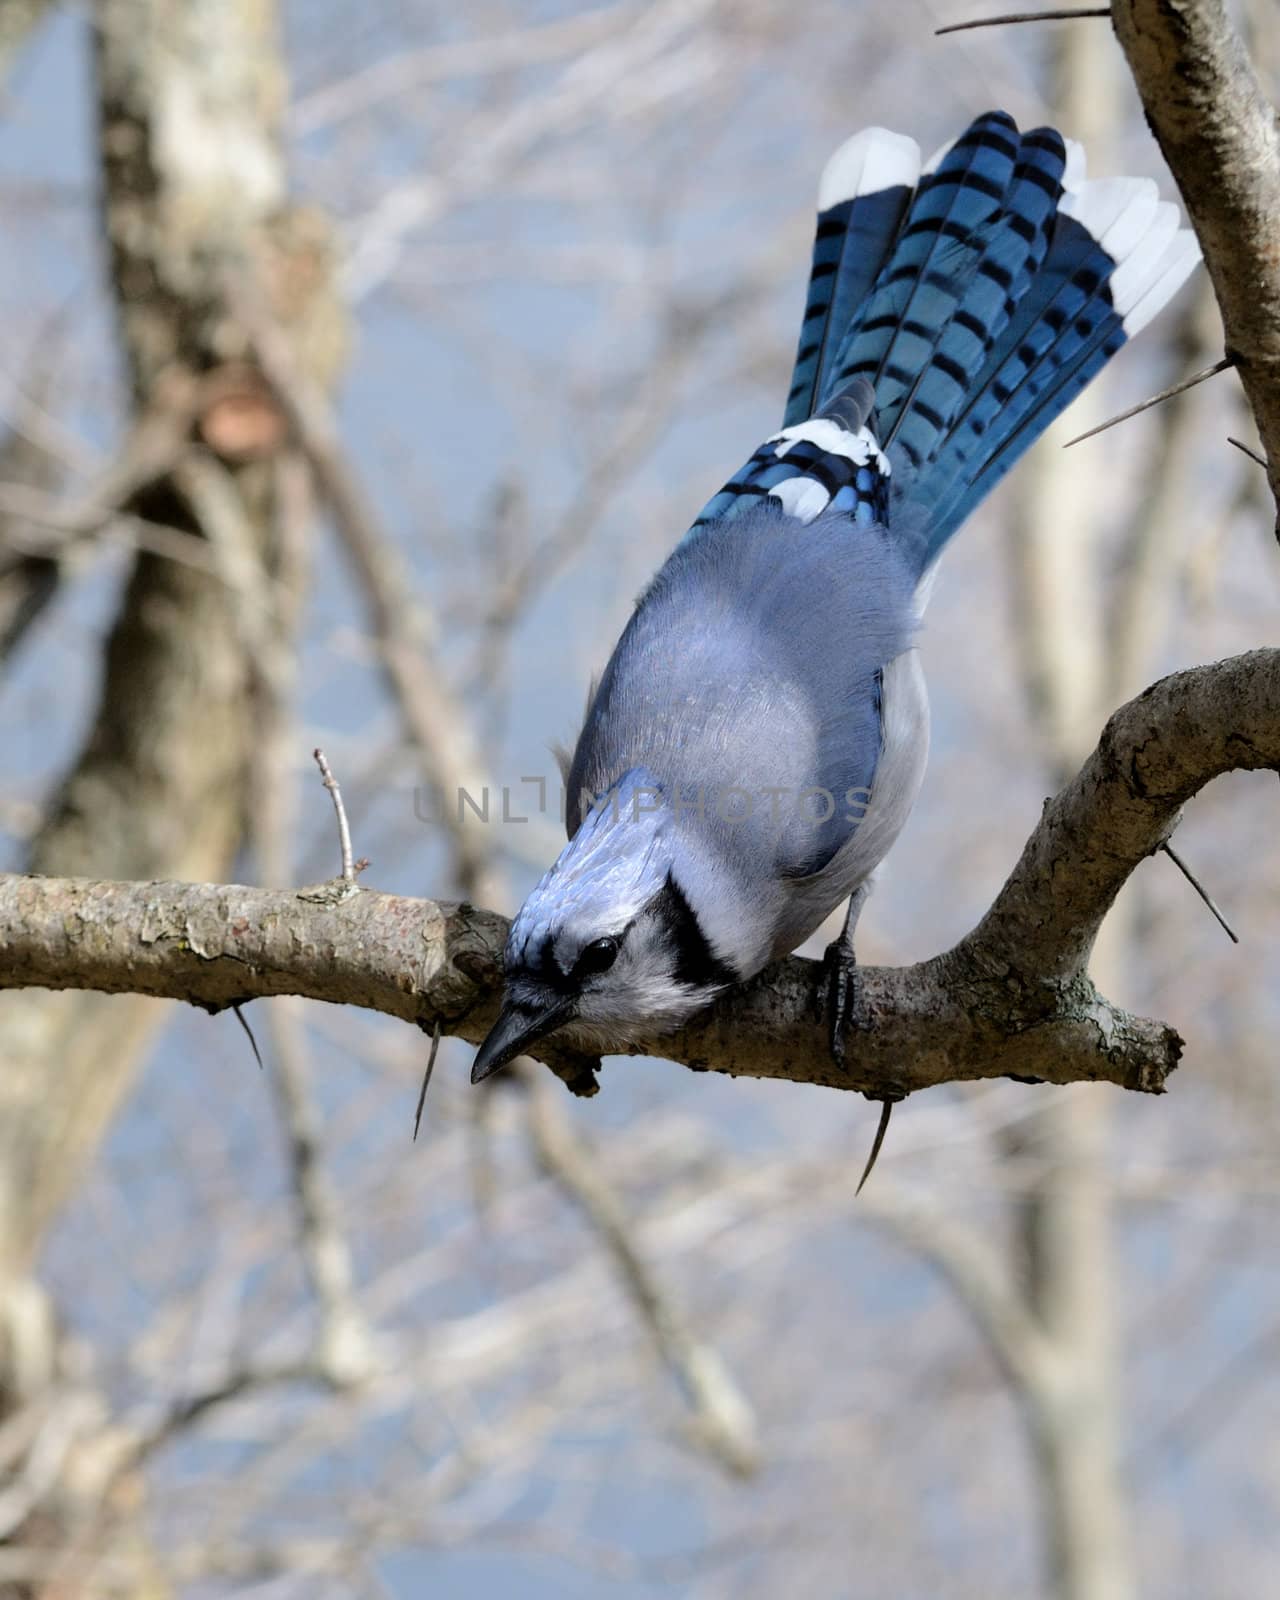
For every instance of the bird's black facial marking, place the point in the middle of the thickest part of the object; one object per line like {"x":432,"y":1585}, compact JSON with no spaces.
{"x":697,"y":964}
{"x":598,"y":956}
{"x":548,"y":970}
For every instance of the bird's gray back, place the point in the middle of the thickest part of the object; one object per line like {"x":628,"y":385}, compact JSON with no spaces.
{"x":752,"y":664}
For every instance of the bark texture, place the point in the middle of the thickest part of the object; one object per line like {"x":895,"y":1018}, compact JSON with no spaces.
{"x":1220,"y":135}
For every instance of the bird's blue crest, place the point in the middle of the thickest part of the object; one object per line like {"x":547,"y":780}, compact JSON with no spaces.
{"x":612,"y":867}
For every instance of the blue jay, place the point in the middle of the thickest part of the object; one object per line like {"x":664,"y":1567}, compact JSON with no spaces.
{"x":759,"y":735}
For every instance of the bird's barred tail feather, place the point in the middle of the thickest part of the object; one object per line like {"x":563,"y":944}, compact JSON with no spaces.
{"x":976,"y":298}
{"x":865,"y":190}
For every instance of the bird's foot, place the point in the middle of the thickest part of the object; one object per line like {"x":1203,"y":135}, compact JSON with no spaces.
{"x":841,"y":997}
{"x":842,"y":1004}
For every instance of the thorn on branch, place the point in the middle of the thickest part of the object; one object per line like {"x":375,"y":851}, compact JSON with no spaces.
{"x":244,"y":1023}
{"x":1165,"y":394}
{"x":1062,"y":15}
{"x":1200,"y":889}
{"x":1249,"y":451}
{"x":886,"y":1111}
{"x":426,"y":1079}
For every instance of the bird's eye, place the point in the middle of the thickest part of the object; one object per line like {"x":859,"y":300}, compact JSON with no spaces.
{"x":598,"y":956}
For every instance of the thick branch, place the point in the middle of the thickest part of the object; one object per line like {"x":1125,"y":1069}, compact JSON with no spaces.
{"x":1219,"y":134}
{"x":1012,"y":999}
{"x":426,"y":961}
{"x":1155,"y":753}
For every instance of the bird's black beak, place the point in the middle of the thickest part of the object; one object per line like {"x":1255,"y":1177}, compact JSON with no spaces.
{"x":515,"y":1030}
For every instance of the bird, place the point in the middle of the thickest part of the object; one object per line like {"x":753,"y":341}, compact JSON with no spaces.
{"x":760,"y":733}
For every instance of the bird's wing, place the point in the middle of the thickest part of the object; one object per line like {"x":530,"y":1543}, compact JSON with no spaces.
{"x":750,"y":673}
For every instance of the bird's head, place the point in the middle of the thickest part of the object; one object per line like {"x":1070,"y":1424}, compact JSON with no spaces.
{"x":609,"y":946}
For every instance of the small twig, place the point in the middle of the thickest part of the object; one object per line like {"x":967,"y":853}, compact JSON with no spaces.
{"x":349,"y":867}
{"x":1200,"y":889}
{"x":435,"y":721}
{"x":135,"y":1448}
{"x":1251,"y":453}
{"x":1025,"y":16}
{"x":90,"y":517}
{"x":886,"y":1111}
{"x":1155,"y":399}
{"x":244,"y":1023}
{"x":426,"y":1079}
{"x":724,"y":1421}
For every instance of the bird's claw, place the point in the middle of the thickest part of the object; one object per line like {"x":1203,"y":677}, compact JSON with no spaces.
{"x":841,"y":998}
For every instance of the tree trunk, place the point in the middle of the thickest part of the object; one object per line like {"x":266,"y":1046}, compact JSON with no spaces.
{"x":1064,"y":1221}
{"x":190,"y":97}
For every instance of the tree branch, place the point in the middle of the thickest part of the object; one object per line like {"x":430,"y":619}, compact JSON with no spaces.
{"x":1011,"y":999}
{"x":1219,"y":134}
